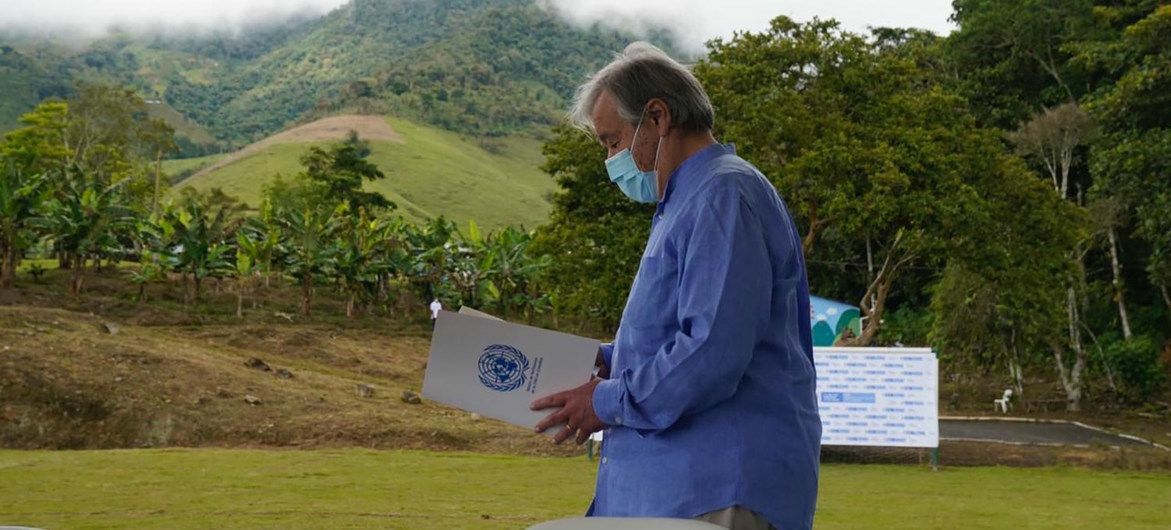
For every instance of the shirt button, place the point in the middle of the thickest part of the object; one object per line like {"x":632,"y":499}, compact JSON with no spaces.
{"x":604,"y":460}
{"x":618,"y":420}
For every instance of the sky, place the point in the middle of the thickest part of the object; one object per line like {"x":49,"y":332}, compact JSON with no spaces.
{"x":694,"y":22}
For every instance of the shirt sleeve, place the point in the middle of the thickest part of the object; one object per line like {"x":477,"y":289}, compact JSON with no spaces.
{"x":724,"y":301}
{"x":607,"y":352}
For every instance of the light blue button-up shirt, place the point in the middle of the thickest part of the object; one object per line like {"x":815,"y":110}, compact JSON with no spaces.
{"x":711,"y":403}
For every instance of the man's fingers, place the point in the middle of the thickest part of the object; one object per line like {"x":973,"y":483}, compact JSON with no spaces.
{"x":563,"y":435}
{"x":554,"y":400}
{"x":582,"y":436}
{"x":551,"y":420}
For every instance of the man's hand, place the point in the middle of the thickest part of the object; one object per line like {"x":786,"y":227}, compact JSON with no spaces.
{"x":576,"y":412}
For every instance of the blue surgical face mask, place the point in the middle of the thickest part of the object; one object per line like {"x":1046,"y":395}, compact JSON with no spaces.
{"x":638,"y":185}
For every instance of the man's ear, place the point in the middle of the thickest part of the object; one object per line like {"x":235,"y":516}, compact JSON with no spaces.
{"x":659,"y":115}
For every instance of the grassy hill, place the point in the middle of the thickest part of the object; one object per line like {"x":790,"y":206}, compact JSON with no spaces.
{"x":429,"y":171}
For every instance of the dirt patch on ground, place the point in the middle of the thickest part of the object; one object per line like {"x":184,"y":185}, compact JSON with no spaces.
{"x":334,"y":128}
{"x":70,"y":380}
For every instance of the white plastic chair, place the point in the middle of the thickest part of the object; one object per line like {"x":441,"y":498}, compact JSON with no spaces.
{"x":1004,"y":403}
{"x":594,"y":439}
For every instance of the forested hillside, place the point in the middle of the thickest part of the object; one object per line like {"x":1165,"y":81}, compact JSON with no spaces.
{"x":478,"y":67}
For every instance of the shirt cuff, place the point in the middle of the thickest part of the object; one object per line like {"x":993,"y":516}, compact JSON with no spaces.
{"x":607,"y":401}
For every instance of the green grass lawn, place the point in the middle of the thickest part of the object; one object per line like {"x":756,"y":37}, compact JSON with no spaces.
{"x":209,"y":488}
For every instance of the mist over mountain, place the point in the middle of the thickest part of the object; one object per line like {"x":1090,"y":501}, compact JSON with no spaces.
{"x":478,"y":67}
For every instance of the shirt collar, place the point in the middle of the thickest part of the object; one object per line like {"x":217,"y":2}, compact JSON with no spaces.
{"x":687,"y":177}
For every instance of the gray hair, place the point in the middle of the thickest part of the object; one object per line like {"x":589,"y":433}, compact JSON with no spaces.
{"x":639,"y":74}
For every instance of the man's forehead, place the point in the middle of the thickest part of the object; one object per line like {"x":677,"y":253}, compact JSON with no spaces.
{"x":605,"y":115}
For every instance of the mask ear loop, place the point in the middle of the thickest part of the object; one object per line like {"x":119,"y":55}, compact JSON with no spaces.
{"x":634,"y":142}
{"x":655,"y":165}
{"x":655,"y":169}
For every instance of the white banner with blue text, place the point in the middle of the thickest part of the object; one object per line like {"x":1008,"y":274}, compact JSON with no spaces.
{"x":878,"y":396}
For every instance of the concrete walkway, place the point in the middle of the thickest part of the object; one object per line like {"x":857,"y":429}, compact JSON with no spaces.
{"x":1032,"y":432}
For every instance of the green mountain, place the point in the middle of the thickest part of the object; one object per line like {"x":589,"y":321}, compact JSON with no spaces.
{"x":477,"y":67}
{"x":469,"y":86}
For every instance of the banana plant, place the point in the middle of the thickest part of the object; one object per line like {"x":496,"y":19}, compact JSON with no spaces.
{"x":359,"y":262}
{"x":203,"y":232}
{"x":307,"y":245}
{"x":246,"y":269}
{"x":510,"y":270}
{"x":87,"y":221}
{"x":264,"y":239}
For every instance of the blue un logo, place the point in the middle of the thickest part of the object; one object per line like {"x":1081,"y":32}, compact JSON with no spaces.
{"x":503,"y":368}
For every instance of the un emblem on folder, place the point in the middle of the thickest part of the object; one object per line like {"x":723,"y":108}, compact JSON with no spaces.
{"x":503,"y":368}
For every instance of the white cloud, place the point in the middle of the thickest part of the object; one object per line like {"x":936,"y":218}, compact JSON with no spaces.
{"x":693,"y":21}
{"x":96,"y":16}
{"x":696,"y":22}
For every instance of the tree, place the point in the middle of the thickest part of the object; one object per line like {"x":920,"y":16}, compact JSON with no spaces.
{"x":264,"y":237}
{"x":429,"y":251}
{"x":359,"y":260}
{"x":1002,"y":301}
{"x":152,"y":267}
{"x":510,"y":270}
{"x":307,"y":246}
{"x":1013,"y":56}
{"x":595,"y":235}
{"x":1131,"y":161}
{"x":202,"y":228}
{"x":466,"y":271}
{"x":39,"y":146}
{"x":21,"y":198}
{"x":246,"y":269}
{"x":157,"y":139}
{"x":879,"y":162}
{"x":105,"y":130}
{"x":87,"y":221}
{"x":1052,"y":137}
{"x":337,"y":173}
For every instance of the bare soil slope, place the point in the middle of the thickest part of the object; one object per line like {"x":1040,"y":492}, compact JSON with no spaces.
{"x":66,"y":381}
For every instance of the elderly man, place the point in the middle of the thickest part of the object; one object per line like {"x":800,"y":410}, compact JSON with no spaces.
{"x":707,"y":393}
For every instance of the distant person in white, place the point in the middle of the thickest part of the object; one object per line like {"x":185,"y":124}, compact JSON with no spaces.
{"x":436,"y":307}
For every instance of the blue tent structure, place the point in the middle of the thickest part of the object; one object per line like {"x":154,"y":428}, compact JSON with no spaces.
{"x":831,"y":319}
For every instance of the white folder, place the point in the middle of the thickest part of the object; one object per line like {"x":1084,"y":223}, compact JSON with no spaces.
{"x":496,"y":369}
